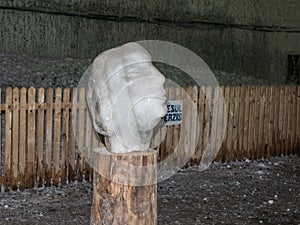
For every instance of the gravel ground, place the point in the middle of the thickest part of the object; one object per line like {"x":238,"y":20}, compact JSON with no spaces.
{"x":248,"y":192}
{"x":26,"y":71}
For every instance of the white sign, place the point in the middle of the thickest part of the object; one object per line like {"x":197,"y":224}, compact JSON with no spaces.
{"x":174,"y":113}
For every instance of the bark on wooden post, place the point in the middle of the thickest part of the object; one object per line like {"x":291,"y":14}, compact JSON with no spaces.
{"x":125,"y":188}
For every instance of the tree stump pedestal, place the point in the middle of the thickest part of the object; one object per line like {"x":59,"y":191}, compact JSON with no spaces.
{"x":124,"y":188}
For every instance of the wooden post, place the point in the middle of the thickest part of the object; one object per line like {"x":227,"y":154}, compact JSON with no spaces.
{"x":125,"y":188}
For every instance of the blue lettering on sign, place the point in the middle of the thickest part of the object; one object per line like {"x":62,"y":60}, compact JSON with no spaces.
{"x":174,"y":108}
{"x":174,"y":113}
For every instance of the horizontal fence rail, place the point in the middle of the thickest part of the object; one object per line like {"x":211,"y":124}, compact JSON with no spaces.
{"x":40,"y":145}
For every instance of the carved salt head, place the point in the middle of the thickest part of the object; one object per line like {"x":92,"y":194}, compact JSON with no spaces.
{"x":126,"y":98}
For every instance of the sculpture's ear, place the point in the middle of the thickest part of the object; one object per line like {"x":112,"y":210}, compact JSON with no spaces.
{"x":103,"y":118}
{"x":100,"y":111}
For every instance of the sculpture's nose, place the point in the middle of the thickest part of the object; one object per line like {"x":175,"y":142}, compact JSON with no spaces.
{"x":160,"y":84}
{"x":160,"y":77}
{"x":161,"y":80}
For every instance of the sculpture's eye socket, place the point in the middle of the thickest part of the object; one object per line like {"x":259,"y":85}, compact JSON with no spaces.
{"x":141,"y":68}
{"x":133,"y":74}
{"x":131,"y":77}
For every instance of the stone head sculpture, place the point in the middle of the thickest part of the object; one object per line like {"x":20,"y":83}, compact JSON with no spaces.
{"x":125,"y":97}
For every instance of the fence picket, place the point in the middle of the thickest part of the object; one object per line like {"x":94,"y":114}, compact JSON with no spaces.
{"x":15,"y":139}
{"x":7,"y":146}
{"x":220,"y":122}
{"x":266,"y":135}
{"x":285,"y":120}
{"x":206,"y":125}
{"x":182,"y":144}
{"x":241,"y":125}
{"x":287,"y":117}
{"x":188,"y":151}
{"x":194,"y":118}
{"x":31,"y":176}
{"x":214,"y":120}
{"x":267,"y":141}
{"x":250,"y":142}
{"x":262,"y":101}
{"x":81,"y":131}
{"x":40,"y":137}
{"x":236,"y":131}
{"x":57,"y":135}
{"x":176,"y":128}
{"x":163,"y":137}
{"x":294,"y":121}
{"x":224,"y":119}
{"x":73,"y":118}
{"x":276,"y":131}
{"x":277,"y":121}
{"x":1,"y":176}
{"x":22,"y":138}
{"x":226,"y":142}
{"x":246,"y":121}
{"x":88,"y":140}
{"x":280,"y":121}
{"x":272,"y":123}
{"x":65,"y":135}
{"x":298,"y":121}
{"x":230,"y":131}
{"x":290,"y":120}
{"x":170,"y":129}
{"x":256,"y":122}
{"x":199,"y":147}
{"x":49,"y":127}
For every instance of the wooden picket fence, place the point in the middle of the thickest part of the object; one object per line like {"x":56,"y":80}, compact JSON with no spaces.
{"x":39,"y":144}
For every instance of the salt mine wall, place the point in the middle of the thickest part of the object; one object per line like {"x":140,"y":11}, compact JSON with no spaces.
{"x":241,"y":36}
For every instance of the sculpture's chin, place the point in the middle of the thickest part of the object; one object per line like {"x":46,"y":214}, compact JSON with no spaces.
{"x":149,"y":125}
{"x":151,"y":116}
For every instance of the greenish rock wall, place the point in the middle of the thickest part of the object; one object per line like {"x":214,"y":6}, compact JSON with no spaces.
{"x":241,"y":36}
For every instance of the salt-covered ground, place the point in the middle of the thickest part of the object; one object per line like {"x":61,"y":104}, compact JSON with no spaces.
{"x":248,"y":192}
